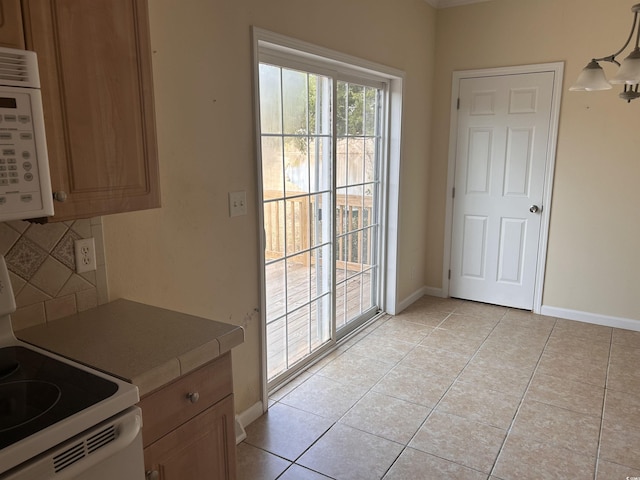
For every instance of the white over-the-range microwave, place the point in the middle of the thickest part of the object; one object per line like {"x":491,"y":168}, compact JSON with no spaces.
{"x":25,"y":183}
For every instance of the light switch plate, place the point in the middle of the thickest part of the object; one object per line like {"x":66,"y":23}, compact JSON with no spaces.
{"x":237,"y":203}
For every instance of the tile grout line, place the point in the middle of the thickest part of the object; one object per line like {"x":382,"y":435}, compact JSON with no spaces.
{"x":333,"y":349}
{"x":313,"y":374}
{"x":454,"y":382}
{"x":324,"y":356}
{"x":604,"y":403}
{"x":562,"y":407}
{"x":369,"y":390}
{"x":520,"y":403}
{"x":405,"y":446}
{"x":443,"y":395}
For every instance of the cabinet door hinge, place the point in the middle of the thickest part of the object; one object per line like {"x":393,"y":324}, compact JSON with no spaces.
{"x":458,"y":104}
{"x":449,"y":275}
{"x":453,"y":192}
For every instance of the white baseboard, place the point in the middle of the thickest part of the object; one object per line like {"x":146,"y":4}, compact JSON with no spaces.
{"x":246,"y":418}
{"x":409,"y":300}
{"x":241,"y":434}
{"x":607,"y":321}
{"x":558,"y":312}
{"x":433,"y":291}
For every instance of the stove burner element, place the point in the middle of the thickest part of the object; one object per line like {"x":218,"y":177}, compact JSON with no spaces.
{"x":8,"y":368}
{"x":43,"y":391}
{"x":24,"y":401}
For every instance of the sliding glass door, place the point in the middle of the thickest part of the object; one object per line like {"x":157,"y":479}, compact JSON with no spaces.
{"x":320,"y":163}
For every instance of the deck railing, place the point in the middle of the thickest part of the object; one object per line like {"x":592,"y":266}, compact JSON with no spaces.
{"x":354,"y":213}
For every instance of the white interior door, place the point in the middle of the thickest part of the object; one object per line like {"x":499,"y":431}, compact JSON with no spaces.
{"x":502,"y":146}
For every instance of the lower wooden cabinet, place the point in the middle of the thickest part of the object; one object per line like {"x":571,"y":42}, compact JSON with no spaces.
{"x":199,"y":449}
{"x":188,"y":426}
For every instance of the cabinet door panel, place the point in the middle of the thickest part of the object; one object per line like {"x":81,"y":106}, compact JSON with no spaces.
{"x":11,"y":32}
{"x":95,"y":70}
{"x":204,"y":447}
{"x":169,"y":407}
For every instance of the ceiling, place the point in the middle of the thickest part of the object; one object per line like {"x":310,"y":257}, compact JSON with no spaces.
{"x":451,"y":3}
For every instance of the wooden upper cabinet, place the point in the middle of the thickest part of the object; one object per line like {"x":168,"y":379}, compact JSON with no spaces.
{"x":11,"y":32}
{"x":95,"y":69}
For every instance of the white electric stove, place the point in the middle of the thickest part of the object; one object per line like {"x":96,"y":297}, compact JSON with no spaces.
{"x":59,"y":419}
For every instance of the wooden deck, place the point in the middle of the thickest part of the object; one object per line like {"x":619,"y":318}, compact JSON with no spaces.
{"x":292,"y":337}
{"x":295,"y":325}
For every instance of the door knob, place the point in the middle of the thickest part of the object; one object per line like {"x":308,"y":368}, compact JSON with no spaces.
{"x":534,"y":209}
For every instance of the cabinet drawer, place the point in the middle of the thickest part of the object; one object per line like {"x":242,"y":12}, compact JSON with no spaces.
{"x":169,"y":407}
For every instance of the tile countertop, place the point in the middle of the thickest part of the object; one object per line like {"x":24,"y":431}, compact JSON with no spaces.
{"x":147,"y":346}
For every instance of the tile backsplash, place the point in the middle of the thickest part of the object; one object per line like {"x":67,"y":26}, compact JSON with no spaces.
{"x":41,"y":264}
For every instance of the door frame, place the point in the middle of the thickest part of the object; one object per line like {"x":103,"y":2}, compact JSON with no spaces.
{"x":557,"y":68}
{"x":310,"y":55}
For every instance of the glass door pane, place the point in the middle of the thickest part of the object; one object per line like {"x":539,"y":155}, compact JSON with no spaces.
{"x":357,"y":198}
{"x":321,"y":195}
{"x":296,"y":145}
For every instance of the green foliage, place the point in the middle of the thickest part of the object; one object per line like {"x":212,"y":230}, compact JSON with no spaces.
{"x":356,"y":109}
{"x":301,"y":96}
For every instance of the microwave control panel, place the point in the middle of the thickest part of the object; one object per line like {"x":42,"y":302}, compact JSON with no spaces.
{"x":20,"y":190}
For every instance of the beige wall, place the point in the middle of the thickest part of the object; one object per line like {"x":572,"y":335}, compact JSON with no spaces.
{"x":593,"y":264}
{"x":189,"y":255}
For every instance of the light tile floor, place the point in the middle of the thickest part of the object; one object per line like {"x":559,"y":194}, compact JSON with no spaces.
{"x":451,"y":389}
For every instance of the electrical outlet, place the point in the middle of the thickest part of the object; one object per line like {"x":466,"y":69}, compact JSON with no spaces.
{"x":85,"y":250}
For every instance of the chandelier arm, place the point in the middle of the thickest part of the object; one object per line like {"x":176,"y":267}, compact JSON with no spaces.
{"x":612,"y":58}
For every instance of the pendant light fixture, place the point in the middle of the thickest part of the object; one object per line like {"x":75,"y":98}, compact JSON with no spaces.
{"x":592,"y":77}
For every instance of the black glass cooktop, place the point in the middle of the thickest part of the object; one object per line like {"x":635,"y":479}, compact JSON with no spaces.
{"x":37,"y":391}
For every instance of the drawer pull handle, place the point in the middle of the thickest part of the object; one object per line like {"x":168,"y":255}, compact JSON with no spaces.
{"x":60,"y":196}
{"x":193,"y":397}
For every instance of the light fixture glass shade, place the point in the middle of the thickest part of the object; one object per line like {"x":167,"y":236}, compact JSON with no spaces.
{"x":629,"y":71}
{"x":591,"y":78}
